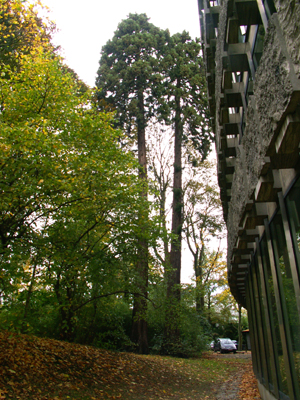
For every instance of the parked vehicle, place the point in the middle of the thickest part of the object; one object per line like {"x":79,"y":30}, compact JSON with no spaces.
{"x":235,"y":343}
{"x":225,"y":345}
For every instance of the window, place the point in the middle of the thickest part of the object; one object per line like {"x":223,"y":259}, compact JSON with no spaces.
{"x":270,"y":289}
{"x":286,"y":289}
{"x":262,"y":344}
{"x":293,"y":209}
{"x":269,"y":7}
{"x":242,"y":34}
{"x":258,"y":47}
{"x":213,"y":3}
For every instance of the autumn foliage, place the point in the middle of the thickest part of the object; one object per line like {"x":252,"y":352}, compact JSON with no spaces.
{"x":22,"y":31}
{"x":71,"y":207}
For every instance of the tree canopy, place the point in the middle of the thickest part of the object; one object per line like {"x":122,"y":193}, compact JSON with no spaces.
{"x":68,"y":191}
{"x":78,"y":234}
{"x":22,"y":30}
{"x":129,"y":73}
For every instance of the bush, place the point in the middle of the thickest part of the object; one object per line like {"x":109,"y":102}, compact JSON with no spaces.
{"x":105,"y":324}
{"x":194,"y":332}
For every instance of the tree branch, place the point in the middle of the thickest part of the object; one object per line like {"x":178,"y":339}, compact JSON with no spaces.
{"x":112,"y":294}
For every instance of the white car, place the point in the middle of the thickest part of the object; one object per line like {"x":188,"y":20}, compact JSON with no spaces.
{"x":236,"y":343}
{"x":225,"y":346}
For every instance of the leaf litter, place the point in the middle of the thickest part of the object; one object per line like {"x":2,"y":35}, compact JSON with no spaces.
{"x":47,"y":369}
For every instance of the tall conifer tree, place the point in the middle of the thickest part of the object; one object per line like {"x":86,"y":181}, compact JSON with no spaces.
{"x":129,"y":81}
{"x":187,"y":103}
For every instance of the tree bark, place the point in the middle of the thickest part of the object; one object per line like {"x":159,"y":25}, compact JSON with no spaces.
{"x":66,"y":312}
{"x":139,"y":334}
{"x":28,"y":297}
{"x":172,"y":332}
{"x":240,"y":329}
{"x":177,"y":208}
{"x":199,"y":278}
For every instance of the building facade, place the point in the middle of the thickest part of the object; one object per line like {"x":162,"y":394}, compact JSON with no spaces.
{"x":252,"y":55}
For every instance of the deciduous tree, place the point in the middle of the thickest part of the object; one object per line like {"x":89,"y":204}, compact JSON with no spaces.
{"x":203,"y":224}
{"x":70,"y":199}
{"x":22,"y":30}
{"x":160,"y":155}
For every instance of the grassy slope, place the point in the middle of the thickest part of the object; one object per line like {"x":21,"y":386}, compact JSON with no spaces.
{"x":40,"y":369}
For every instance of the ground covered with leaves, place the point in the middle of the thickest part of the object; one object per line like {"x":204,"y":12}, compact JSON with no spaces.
{"x":43,"y":369}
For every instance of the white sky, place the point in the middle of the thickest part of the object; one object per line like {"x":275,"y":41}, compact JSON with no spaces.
{"x":86,"y":25}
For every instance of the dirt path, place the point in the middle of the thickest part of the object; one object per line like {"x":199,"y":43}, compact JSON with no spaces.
{"x":242,"y":385}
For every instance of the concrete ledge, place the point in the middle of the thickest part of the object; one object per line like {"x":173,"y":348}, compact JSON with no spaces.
{"x":265,"y":394}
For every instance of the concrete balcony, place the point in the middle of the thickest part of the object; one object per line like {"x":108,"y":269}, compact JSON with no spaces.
{"x":235,"y":97}
{"x":236,"y":57}
{"x":226,"y":169}
{"x":257,"y":215}
{"x":233,"y":127}
{"x":267,"y":187}
{"x":227,"y":80}
{"x":207,"y":4}
{"x":210,"y":51}
{"x":212,"y":16}
{"x":231,"y":145}
{"x":248,"y":12}
{"x":210,"y":77}
{"x":201,"y":4}
{"x":210,"y":32}
{"x":228,"y":146}
{"x":245,"y":240}
{"x":288,"y":139}
{"x":232,"y":34}
{"x":224,"y":116}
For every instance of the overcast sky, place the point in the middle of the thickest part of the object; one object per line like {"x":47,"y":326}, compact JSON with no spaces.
{"x":86,"y":25}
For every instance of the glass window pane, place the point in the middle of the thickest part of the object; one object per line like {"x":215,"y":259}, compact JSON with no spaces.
{"x":258,"y":48}
{"x":293,"y":209}
{"x":269,"y":7}
{"x":282,"y":378}
{"x":285,"y":276}
{"x":254,"y":329}
{"x":263,"y":322}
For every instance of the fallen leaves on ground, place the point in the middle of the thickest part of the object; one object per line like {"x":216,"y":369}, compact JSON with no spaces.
{"x":248,"y":386}
{"x":45,"y":369}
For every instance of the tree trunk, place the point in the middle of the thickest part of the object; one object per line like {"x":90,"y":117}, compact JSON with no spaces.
{"x":139,"y":333}
{"x":198,"y":276}
{"x":199,"y":279}
{"x":163,"y":218}
{"x":240,"y":329}
{"x":177,"y":207}
{"x":66,"y":313}
{"x":208,"y":308}
{"x":172,"y":332}
{"x":28,"y":297}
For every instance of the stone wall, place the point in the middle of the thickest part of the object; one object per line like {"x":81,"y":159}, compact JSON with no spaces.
{"x":289,"y":19}
{"x":276,"y":81}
